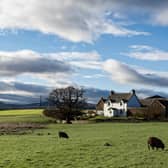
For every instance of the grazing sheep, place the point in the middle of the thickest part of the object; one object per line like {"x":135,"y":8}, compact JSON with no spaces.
{"x":107,"y":144}
{"x":63,"y":135}
{"x":154,"y":142}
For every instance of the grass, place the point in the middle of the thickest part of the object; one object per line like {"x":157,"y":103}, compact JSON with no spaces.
{"x":85,"y":148}
{"x":27,"y":115}
{"x":20,"y":112}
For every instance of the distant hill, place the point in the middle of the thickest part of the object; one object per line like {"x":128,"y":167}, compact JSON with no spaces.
{"x":34,"y":105}
{"x":22,"y":106}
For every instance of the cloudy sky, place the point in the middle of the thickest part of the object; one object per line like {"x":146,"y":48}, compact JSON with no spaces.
{"x":98,"y":44}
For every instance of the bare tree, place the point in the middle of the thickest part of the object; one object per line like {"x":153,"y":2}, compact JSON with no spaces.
{"x":68,"y":100}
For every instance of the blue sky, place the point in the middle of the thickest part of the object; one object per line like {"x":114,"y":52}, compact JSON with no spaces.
{"x":100,"y":44}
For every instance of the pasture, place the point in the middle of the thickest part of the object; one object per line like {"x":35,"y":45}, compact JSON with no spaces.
{"x":27,"y":115}
{"x":85,"y":148}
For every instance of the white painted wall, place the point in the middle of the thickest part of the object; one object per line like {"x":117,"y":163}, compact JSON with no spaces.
{"x":109,"y":107}
{"x":107,"y":112}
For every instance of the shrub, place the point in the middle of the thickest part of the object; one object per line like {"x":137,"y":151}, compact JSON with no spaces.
{"x":59,"y":114}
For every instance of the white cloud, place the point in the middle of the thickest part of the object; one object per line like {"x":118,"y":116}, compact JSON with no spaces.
{"x":77,"y":21}
{"x":84,"y":60}
{"x":27,"y":61}
{"x":75,"y":56}
{"x":161,"y":17}
{"x":144,"y":52}
{"x":87,"y":64}
{"x":126,"y":74}
{"x":58,"y":69}
{"x":21,"y":92}
{"x":34,"y":67}
{"x":95,"y":76}
{"x":51,"y":69}
{"x":22,"y":88}
{"x":141,"y":47}
{"x":26,"y":74}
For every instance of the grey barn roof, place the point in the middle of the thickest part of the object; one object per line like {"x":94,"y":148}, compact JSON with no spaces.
{"x":149,"y":101}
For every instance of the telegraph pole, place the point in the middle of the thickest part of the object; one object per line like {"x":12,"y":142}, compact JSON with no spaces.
{"x":40,"y":100}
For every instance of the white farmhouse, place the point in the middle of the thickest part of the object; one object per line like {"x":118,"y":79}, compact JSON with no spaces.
{"x":118,"y":104}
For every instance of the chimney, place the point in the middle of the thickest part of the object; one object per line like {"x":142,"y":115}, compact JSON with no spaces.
{"x":112,"y":92}
{"x":133,"y":91}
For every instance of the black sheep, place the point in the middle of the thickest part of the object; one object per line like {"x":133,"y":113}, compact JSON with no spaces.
{"x":154,"y":142}
{"x":63,"y":135}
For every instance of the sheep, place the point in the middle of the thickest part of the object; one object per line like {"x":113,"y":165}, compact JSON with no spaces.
{"x":154,"y":142}
{"x":62,"y":134}
{"x":107,"y":144}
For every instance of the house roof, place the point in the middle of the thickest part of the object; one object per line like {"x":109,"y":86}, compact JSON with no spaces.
{"x":99,"y":105}
{"x":155,"y":97}
{"x":103,"y":99}
{"x":164,"y":102}
{"x":117,"y":97}
{"x":148,"y":102}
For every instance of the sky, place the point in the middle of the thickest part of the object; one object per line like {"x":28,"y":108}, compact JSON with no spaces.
{"x":100,"y":45}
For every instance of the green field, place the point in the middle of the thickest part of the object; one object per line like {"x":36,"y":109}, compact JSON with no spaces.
{"x":85,"y":149}
{"x":32,"y":115}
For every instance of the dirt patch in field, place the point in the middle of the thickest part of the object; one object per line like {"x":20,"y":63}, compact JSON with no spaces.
{"x":19,"y":128}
